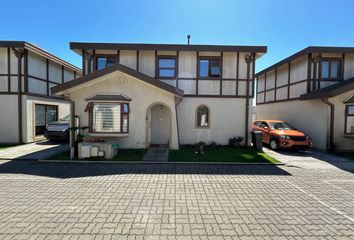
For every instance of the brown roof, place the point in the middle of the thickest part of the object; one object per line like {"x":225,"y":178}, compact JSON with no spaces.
{"x":39,"y":51}
{"x":167,"y":47}
{"x":311,"y":49}
{"x":330,"y":91}
{"x":107,"y":97}
{"x":117,"y":67}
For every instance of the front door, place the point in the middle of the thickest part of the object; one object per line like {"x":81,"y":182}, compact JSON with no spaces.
{"x":160,"y":125}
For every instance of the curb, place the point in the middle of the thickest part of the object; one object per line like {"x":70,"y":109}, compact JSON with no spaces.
{"x":154,"y":162}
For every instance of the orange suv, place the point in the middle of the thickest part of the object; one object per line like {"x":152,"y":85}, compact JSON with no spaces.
{"x":280,"y":134}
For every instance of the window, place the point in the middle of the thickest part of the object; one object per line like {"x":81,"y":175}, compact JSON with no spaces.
{"x":209,"y":67}
{"x":105,"y":61}
{"x":331,"y":69}
{"x":202,"y":116}
{"x":110,"y":118}
{"x":44,"y":114}
{"x":167,"y":67}
{"x":349,"y":120}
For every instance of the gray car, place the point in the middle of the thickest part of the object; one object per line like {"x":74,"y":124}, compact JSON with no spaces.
{"x":58,"y":130}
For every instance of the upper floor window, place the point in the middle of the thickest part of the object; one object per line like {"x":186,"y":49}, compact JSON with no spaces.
{"x":202,"y":116}
{"x":209,"y":67}
{"x":166,"y":67}
{"x":331,"y":69}
{"x":109,"y":118}
{"x":349,"y":119}
{"x":105,"y":61}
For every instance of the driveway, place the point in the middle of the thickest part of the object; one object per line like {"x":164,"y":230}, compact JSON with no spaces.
{"x":33,"y":151}
{"x":314,"y":160}
{"x":174,"y":201}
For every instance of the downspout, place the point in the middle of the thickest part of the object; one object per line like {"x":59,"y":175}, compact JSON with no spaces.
{"x":249,"y":59}
{"x":331,"y":124}
{"x":72,"y":124}
{"x":19,"y":54}
{"x":177,"y":101}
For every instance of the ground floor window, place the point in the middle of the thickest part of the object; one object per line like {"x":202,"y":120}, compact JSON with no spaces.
{"x":44,"y":114}
{"x":202,"y":116}
{"x":349,"y":119}
{"x":110,"y":118}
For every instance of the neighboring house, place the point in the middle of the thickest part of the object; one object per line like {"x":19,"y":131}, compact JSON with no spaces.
{"x":144,"y":94}
{"x":26,"y":75}
{"x":313,"y":90}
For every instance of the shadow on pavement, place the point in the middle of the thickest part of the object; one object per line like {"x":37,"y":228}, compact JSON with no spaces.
{"x":77,"y":170}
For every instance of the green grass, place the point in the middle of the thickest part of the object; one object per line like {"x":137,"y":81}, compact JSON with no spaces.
{"x":224,"y":154}
{"x":123,"y":155}
{"x":4,"y":146}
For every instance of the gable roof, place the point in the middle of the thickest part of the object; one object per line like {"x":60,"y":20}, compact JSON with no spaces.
{"x":39,"y":51}
{"x":107,"y":97}
{"x":330,"y":91}
{"x":310,"y":49}
{"x":165,"y":47}
{"x":117,"y":67}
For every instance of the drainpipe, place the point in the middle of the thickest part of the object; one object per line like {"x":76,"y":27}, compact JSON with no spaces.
{"x":177,"y":101}
{"x":19,"y":54}
{"x":72,"y":124}
{"x":331,"y":124}
{"x":249,"y":59}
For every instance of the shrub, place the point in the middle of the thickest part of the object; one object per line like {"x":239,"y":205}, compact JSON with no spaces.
{"x":235,"y":141}
{"x":199,"y":148}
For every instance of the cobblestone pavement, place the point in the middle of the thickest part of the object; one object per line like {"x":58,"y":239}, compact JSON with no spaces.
{"x":167,"y":201}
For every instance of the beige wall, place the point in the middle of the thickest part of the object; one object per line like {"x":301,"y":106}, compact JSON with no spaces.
{"x":225,"y":122}
{"x":143,"y":97}
{"x":8,"y":119}
{"x":308,"y":116}
{"x":341,"y":140}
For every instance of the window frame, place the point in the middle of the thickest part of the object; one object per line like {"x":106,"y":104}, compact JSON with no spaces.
{"x":340,"y":70}
{"x":121,"y":117}
{"x":166,"y":68}
{"x":97,"y":56}
{"x":196,"y":116}
{"x":209,"y":58}
{"x":346,"y":115}
{"x":46,"y":115}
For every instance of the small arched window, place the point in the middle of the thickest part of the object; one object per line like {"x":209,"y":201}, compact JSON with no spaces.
{"x":202,"y":116}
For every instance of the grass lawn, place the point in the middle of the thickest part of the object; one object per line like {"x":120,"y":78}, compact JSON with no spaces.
{"x":224,"y":154}
{"x":3,"y":146}
{"x":123,"y":155}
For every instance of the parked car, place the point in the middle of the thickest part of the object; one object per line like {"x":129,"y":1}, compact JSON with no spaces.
{"x":280,"y":134}
{"x":58,"y":130}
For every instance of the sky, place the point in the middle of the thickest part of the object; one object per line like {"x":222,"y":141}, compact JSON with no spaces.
{"x":284,"y":26}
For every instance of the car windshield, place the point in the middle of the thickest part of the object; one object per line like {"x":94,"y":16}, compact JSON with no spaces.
{"x":65,"y":119}
{"x":281,"y":126}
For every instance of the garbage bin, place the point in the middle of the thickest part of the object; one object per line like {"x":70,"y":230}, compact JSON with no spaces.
{"x":257,"y":140}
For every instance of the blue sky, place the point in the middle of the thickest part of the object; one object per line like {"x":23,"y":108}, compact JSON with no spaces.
{"x":284,"y":26}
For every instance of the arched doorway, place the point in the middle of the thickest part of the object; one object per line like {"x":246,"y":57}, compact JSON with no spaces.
{"x":159,"y":118}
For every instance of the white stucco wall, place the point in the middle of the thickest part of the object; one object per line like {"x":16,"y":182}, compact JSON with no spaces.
{"x":8,"y":119}
{"x":308,"y":116}
{"x":143,"y":96}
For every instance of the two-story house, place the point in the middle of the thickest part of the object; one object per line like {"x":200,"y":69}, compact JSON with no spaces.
{"x":27,"y":73}
{"x":313,"y":90}
{"x":147,"y":94}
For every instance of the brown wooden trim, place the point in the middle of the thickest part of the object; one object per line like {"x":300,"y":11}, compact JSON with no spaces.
{"x":346,"y":115}
{"x":94,"y":60}
{"x":221,"y":69}
{"x":74,"y":74}
{"x":47,"y":76}
{"x":83,"y":54}
{"x":289,"y":79}
{"x":137,"y":60}
{"x":25,"y":69}
{"x":342,"y":66}
{"x":197,"y":76}
{"x":253,"y":74}
{"x":173,"y":68}
{"x":279,"y":101}
{"x":9,"y":69}
{"x":237,"y":72}
{"x":265,"y":86}
{"x":212,"y":96}
{"x":42,"y":79}
{"x":156,"y":64}
{"x":275,"y":83}
{"x":19,"y":54}
{"x":45,"y":96}
{"x":282,"y":86}
{"x":177,"y":73}
{"x":309,"y":63}
{"x":118,"y":56}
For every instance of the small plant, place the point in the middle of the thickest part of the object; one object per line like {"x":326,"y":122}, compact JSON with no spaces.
{"x":235,"y":141}
{"x":213,"y":145}
{"x":199,"y":148}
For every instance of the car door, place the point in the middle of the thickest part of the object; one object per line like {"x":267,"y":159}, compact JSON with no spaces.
{"x":264,"y":127}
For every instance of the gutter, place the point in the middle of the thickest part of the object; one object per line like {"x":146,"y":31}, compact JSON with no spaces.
{"x":72,"y":124}
{"x":249,"y":59}
{"x":331,"y":124}
{"x":177,"y":102}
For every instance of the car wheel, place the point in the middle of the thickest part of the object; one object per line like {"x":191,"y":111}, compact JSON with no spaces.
{"x":274,"y":145}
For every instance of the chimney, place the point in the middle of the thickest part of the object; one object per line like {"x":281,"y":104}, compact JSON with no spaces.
{"x":188,"y":38}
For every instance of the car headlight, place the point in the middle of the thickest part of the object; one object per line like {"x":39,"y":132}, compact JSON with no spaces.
{"x":284,"y":136}
{"x":307,"y":137}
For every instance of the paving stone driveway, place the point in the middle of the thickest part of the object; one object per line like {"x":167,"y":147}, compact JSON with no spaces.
{"x":167,"y":201}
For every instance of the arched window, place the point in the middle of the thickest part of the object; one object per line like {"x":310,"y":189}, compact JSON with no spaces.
{"x":202,"y":116}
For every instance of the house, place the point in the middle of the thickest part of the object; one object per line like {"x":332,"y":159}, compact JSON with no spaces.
{"x":313,"y":90}
{"x":155,"y":94}
{"x":27,"y":73}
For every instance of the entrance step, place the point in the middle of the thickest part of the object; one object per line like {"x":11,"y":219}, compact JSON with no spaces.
{"x":157,"y":153}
